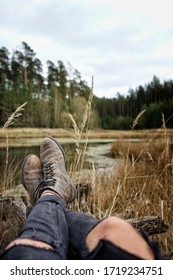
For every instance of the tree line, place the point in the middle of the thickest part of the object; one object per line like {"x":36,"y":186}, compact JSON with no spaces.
{"x":155,"y":98}
{"x":50,"y":99}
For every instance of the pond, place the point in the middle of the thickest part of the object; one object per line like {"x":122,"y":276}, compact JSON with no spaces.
{"x":97,"y":152}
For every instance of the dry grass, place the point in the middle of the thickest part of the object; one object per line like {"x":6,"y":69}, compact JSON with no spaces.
{"x":8,"y":178}
{"x":141,"y":185}
{"x":79,"y":131}
{"x":149,"y":152}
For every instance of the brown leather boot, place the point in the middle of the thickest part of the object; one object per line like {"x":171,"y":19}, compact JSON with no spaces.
{"x":55,"y":175}
{"x":32,"y":176}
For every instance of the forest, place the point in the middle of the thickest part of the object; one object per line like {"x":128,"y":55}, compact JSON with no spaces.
{"x":52,"y":96}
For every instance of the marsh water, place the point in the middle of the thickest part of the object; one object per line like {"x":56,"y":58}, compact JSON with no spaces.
{"x":98,"y":152}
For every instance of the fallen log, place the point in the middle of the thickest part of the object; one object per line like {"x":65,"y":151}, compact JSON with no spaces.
{"x":12,"y":219}
{"x":151,"y":224}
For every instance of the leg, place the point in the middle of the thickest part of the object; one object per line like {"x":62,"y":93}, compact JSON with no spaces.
{"x":121,"y":234}
{"x":90,"y":238}
{"x":46,"y":225}
{"x":45,"y":228}
{"x":79,"y":225}
{"x":111,"y":238}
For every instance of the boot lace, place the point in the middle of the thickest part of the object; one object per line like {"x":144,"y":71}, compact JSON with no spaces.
{"x":48,"y":170}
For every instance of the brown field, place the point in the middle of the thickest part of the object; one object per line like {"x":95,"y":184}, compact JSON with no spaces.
{"x":97,"y":133}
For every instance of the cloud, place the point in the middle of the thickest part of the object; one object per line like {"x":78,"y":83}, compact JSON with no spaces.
{"x":122,"y":43}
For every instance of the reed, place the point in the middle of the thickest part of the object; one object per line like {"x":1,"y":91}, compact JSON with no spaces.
{"x":9,"y":175}
{"x":79,"y":132}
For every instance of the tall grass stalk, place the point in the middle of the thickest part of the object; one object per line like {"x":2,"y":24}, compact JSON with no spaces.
{"x":9,"y":169}
{"x":79,"y":131}
{"x":133,"y":126}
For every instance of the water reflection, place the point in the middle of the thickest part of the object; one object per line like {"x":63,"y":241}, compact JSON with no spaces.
{"x":96,"y":152}
{"x":16,"y":155}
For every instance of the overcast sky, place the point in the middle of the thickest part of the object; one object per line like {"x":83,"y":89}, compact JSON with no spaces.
{"x":122,"y":43}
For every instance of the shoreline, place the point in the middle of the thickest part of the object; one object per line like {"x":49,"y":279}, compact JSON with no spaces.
{"x":22,"y":133}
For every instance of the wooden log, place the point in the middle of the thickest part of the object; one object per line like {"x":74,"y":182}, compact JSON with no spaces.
{"x":12,"y":218}
{"x":151,"y":224}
